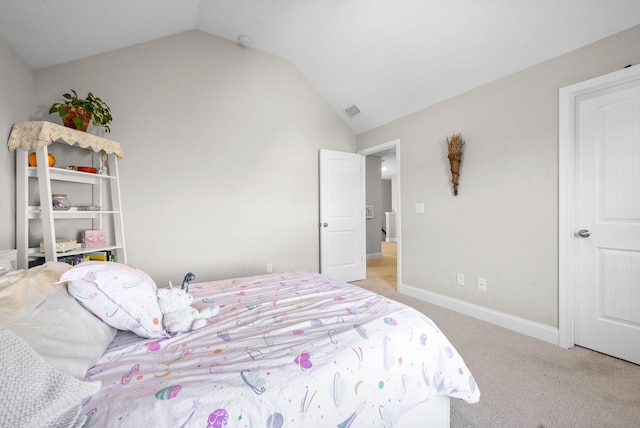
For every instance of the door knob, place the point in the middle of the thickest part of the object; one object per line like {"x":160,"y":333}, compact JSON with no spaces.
{"x":584,"y":233}
{"x":325,"y":225}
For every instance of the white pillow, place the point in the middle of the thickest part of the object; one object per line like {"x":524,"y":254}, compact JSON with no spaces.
{"x":122,"y":296}
{"x":40,"y":310}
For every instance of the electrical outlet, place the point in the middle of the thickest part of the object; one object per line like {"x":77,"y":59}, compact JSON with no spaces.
{"x":269,"y":268}
{"x":482,"y":284}
{"x":460,"y":279}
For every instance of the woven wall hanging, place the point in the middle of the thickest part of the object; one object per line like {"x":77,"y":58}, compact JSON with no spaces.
{"x":455,"y":144}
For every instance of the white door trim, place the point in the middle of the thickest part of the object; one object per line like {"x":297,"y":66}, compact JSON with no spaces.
{"x":380,"y":148}
{"x":567,"y":260}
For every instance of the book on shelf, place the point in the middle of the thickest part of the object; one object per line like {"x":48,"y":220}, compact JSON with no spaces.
{"x":71,"y":260}
{"x":104,"y":256}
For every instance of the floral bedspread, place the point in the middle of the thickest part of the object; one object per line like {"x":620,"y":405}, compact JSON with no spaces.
{"x":286,"y":350}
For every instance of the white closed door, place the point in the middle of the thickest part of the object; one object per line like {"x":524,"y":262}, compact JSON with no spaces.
{"x":608,"y":221}
{"x":342,"y":220}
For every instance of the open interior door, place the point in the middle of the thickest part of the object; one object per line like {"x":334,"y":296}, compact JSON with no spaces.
{"x":342,"y":220}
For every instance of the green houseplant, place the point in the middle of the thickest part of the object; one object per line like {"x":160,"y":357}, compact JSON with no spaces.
{"x":78,"y":112}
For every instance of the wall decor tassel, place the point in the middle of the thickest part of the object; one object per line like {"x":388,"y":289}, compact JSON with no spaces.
{"x":455,"y":143}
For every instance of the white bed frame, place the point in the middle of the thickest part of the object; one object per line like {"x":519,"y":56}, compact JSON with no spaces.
{"x":435,"y":413}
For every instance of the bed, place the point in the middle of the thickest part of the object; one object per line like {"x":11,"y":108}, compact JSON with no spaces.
{"x":293,"y":349}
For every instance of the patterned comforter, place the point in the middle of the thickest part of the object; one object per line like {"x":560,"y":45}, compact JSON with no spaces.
{"x":287,"y":349}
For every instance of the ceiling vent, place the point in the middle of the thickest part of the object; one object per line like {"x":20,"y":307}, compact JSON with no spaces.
{"x":352,"y":111}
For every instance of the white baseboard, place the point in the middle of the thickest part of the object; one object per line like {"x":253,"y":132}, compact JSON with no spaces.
{"x":374,"y":256}
{"x":519,"y":325}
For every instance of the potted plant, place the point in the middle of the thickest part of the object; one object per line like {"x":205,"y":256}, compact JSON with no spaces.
{"x":77,"y":112}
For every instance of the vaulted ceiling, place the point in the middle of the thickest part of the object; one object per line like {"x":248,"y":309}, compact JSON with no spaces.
{"x":389,"y":58}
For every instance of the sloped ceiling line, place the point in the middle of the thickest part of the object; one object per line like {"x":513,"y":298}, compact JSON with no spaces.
{"x":390,"y":58}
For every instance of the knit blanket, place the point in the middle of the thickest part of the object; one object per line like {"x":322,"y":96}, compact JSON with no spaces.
{"x":34,"y":394}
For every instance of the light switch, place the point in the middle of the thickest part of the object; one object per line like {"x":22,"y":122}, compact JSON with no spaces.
{"x":419,"y":208}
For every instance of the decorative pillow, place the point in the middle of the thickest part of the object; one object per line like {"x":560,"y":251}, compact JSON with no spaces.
{"x":40,"y":311}
{"x":122,"y":296}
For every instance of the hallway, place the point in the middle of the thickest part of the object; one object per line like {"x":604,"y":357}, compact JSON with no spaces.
{"x":382,"y":272}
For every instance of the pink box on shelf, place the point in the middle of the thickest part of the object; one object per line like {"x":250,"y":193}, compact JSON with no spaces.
{"x":94,"y":238}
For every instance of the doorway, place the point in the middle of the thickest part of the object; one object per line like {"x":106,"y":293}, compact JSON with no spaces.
{"x":387,"y":268}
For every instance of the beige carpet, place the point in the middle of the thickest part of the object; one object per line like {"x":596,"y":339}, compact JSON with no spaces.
{"x":525,"y":382}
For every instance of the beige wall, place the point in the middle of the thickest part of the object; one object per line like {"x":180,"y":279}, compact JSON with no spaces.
{"x":16,"y":104}
{"x":220,"y":175}
{"x":503,"y":224}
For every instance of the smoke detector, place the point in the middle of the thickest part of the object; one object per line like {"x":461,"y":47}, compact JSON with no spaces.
{"x":244,"y":40}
